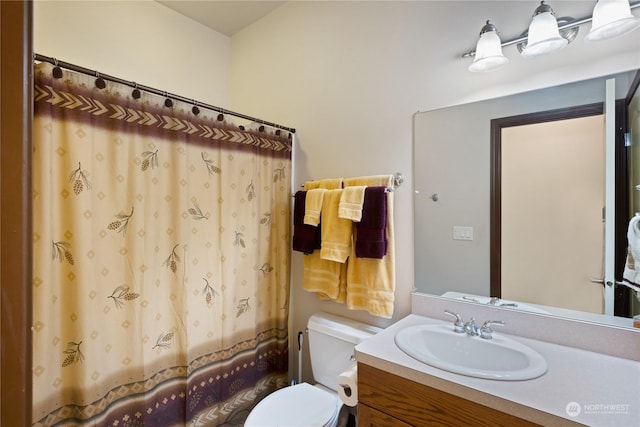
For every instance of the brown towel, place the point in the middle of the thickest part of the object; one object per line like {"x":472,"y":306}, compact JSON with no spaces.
{"x":306,"y":238}
{"x":371,"y":231}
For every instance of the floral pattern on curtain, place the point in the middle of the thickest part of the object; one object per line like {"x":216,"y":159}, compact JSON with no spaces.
{"x":161,"y":259}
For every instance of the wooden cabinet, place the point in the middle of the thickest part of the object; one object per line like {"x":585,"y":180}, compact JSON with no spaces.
{"x":387,"y":400}
{"x":369,"y":417}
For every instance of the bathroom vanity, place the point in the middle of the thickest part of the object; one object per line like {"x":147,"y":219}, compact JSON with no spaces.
{"x":387,"y":400}
{"x":581,"y":387}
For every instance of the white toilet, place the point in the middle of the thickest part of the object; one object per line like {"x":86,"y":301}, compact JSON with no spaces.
{"x":331,"y":343}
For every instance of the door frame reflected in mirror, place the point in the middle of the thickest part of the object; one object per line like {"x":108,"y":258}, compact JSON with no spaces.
{"x":622,"y":295}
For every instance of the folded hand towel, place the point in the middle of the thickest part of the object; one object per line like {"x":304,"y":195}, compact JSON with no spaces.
{"x":327,"y":184}
{"x":336,"y":232}
{"x":306,"y":238}
{"x":370,"y":181}
{"x":631,"y":274}
{"x":313,"y":206}
{"x":351,"y":203}
{"x":371,"y":240}
{"x":371,"y":282}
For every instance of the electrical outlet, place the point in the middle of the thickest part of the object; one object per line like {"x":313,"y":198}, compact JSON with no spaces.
{"x":462,"y":233}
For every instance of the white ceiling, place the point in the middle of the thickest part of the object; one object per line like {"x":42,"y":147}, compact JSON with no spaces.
{"x":230,"y":16}
{"x":226,"y":17}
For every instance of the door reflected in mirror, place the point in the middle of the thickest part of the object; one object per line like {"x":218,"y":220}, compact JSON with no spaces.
{"x":552,"y":213}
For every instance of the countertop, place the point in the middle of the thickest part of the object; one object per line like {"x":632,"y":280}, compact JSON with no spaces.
{"x":581,"y":386}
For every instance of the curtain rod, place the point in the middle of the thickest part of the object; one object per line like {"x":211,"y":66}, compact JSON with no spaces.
{"x":135,"y":85}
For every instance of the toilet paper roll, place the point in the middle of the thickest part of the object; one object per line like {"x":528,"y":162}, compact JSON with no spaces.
{"x":348,"y":386}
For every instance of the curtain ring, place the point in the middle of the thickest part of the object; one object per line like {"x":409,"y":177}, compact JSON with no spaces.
{"x":100,"y":83}
{"x":57,"y":71}
{"x":136,"y":92}
{"x":167,"y":102}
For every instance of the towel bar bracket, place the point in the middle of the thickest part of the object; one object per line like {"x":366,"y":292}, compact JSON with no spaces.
{"x":608,"y":282}
{"x":602,"y":282}
{"x":398,"y":179}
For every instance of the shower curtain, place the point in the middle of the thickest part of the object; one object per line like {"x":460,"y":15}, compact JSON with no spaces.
{"x":161,"y":258}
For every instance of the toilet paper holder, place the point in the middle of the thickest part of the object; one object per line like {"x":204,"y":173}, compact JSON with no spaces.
{"x":347,"y":389}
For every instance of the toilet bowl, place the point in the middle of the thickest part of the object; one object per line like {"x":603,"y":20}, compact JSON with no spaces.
{"x":300,"y":405}
{"x":332,"y":340}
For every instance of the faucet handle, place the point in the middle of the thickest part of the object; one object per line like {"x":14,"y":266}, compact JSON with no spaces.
{"x":458,"y":326}
{"x":496,"y":302}
{"x":486,"y":331}
{"x":493,"y":301}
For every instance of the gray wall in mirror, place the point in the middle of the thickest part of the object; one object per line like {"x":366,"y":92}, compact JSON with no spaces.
{"x":452,"y":160}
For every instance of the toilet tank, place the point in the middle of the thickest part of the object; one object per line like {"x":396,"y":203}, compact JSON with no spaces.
{"x":332,"y":340}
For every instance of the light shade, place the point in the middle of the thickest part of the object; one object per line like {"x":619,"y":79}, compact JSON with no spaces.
{"x":543,"y":36}
{"x":488,"y":51}
{"x":611,"y":18}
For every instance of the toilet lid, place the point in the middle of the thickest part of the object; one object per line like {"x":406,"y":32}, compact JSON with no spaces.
{"x":298,"y":405}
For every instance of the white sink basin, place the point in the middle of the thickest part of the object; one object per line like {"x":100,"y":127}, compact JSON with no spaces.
{"x":499,"y":358}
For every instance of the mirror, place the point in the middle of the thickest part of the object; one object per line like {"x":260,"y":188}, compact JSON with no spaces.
{"x":452,"y":175}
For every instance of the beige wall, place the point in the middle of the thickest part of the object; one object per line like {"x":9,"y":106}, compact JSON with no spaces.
{"x":140,"y":41}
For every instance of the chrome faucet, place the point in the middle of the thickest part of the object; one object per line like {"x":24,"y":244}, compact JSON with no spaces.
{"x":486,"y":331}
{"x":471,"y":328}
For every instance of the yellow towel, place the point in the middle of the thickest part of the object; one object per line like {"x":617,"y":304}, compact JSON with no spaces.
{"x":313,"y":206}
{"x":370,"y":181}
{"x":336,"y":232}
{"x":351,"y":203}
{"x":342,"y":288}
{"x":342,"y":285}
{"x":327,"y":184}
{"x":371,"y":282}
{"x":322,"y":276}
{"x":327,"y":278}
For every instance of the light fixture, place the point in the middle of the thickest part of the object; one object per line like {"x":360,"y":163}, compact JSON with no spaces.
{"x":488,"y":51}
{"x":544,"y":36}
{"x":611,"y":18}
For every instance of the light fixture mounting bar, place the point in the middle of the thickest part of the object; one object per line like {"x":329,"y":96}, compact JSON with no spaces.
{"x":571,"y":24}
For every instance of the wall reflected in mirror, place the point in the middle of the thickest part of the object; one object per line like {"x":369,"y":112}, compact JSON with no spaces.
{"x":452,"y":158}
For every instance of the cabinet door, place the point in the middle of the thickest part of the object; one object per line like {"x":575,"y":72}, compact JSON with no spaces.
{"x":369,"y":417}
{"x":409,"y":403}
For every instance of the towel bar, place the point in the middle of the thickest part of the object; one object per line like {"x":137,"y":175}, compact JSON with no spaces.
{"x":398,"y":180}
